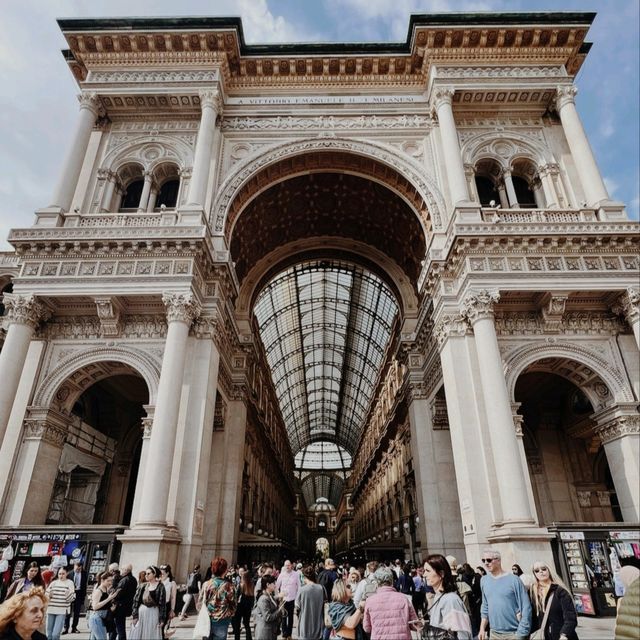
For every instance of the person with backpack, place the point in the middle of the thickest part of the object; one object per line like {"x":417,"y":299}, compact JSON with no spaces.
{"x":194,"y":582}
{"x":368,"y":585}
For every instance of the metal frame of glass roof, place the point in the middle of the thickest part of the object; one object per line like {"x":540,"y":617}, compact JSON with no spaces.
{"x":325,"y":327}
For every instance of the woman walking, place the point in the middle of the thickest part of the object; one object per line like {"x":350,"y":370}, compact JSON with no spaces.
{"x":245,"y":599}
{"x":61,"y":593}
{"x":149,"y":606}
{"x":100,"y":600}
{"x":447,"y":611}
{"x":267,"y":612}
{"x":170,"y":593}
{"x":194,"y":582}
{"x":553,"y":608}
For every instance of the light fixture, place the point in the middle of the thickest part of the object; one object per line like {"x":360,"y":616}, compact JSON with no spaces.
{"x":405,"y":526}
{"x":417,"y":520}
{"x":259,"y":532}
{"x":395,"y":528}
{"x":250,"y":526}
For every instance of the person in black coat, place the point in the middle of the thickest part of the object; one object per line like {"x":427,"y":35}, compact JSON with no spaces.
{"x":22,"y":614}
{"x":562,"y":619}
{"x":79,"y":578}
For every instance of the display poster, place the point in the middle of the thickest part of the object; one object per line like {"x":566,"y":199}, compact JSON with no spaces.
{"x":584,"y":604}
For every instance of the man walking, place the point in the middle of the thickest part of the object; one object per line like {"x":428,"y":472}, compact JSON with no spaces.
{"x":126,"y":589}
{"x":287,"y":585}
{"x":505,"y":604}
{"x":326,"y":578}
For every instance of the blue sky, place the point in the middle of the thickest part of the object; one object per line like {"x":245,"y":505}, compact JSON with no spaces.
{"x":38,"y":107}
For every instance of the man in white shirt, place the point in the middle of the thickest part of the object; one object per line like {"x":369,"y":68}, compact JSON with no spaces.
{"x":287,"y":584}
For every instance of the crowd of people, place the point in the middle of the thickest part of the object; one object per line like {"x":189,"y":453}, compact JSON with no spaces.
{"x":439,"y":600}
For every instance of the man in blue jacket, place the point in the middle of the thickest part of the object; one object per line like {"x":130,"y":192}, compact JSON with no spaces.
{"x":505,"y":603}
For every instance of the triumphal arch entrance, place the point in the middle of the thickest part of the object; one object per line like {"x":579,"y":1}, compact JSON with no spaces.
{"x":375,"y":295}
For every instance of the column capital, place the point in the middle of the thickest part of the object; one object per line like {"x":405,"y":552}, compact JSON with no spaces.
{"x":211,"y":98}
{"x":479,"y":305}
{"x":181,"y":307}
{"x":449,"y":325}
{"x":565,"y":94}
{"x":91,"y":101}
{"x":619,"y":426}
{"x":628,"y":305}
{"x":24,"y":310}
{"x":442,"y":96}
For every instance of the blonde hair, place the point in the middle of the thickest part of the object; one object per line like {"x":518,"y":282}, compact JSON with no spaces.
{"x":339,"y":591}
{"x":355,"y":572}
{"x":13,"y":607}
{"x":536,"y":599}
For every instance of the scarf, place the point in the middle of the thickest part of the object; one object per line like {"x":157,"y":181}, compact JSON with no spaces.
{"x":339,"y":612}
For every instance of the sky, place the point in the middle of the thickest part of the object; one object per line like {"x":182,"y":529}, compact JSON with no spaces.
{"x":39,"y":110}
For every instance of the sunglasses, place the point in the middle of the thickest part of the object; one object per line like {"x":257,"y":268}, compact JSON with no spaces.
{"x":540,"y":569}
{"x":488,"y":560}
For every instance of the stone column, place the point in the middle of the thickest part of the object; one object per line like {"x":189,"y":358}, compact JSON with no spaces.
{"x":89,"y":108}
{"x":22,"y":315}
{"x":472,"y":188}
{"x":107,"y":196}
{"x":595,"y":190}
{"x":153,"y":196}
{"x":514,"y":494}
{"x":548,"y":188}
{"x":146,"y":424}
{"x":211,"y":104}
{"x":510,"y":189}
{"x":182,"y":309}
{"x":619,"y":430}
{"x":502,"y":192}
{"x":451,"y":147}
{"x":146,"y":192}
{"x":628,"y":305}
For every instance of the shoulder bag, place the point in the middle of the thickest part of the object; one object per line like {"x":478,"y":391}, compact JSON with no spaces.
{"x":437,"y":633}
{"x":538,"y":634}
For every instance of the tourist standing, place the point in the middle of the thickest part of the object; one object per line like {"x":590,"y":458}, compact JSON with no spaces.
{"x":447,"y":611}
{"x":171,"y":593}
{"x":149,"y":606}
{"x":61,"y":594}
{"x":22,"y":614}
{"x":368,"y":585}
{"x":552,"y":605}
{"x":267,"y":612}
{"x":245,"y":598}
{"x":310,"y":606}
{"x":33,"y":578}
{"x":345,"y":616}
{"x":219,"y":598}
{"x":79,"y":578}
{"x":287,"y":585}
{"x":126,"y":588}
{"x":100,"y":603}
{"x":505,"y":603}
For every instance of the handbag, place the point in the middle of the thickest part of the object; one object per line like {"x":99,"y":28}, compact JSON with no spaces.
{"x":327,"y":617}
{"x":437,"y":633}
{"x":203,"y":624}
{"x":538,"y":634}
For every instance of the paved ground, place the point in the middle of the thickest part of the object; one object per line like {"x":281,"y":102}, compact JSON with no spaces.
{"x":588,"y":629}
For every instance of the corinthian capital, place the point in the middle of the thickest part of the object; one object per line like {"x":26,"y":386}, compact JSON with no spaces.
{"x":91,"y":101}
{"x":479,"y":305}
{"x":24,"y":310}
{"x":628,"y":305}
{"x":565,"y":94}
{"x":211,"y":98}
{"x":442,"y":95}
{"x":181,"y":307}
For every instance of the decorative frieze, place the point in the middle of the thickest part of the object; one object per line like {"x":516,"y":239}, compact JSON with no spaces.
{"x":45,"y":430}
{"x":510,"y":72}
{"x":618,"y":427}
{"x":150,"y":76}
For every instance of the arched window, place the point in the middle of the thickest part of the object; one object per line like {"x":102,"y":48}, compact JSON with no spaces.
{"x":132,"y":194}
{"x":168,"y":195}
{"x":525,"y":196}
{"x":487,"y":191}
{"x":523,"y":175}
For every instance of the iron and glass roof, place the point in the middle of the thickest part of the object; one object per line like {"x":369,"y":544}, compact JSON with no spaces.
{"x":325,"y":327}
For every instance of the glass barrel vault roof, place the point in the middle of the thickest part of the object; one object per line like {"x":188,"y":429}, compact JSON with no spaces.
{"x":325,"y":327}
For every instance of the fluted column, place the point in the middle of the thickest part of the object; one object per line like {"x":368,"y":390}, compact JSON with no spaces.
{"x":510,"y":189}
{"x":153,"y":196}
{"x":182,"y":310}
{"x":628,"y":305}
{"x":210,"y":103}
{"x":89,"y":108}
{"x":146,"y":191}
{"x":451,"y":147}
{"x":548,"y":188}
{"x":595,"y":190}
{"x":478,"y":309}
{"x":107,"y":196}
{"x":22,"y":315}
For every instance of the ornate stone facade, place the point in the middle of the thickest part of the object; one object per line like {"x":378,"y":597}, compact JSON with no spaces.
{"x":213,"y":166}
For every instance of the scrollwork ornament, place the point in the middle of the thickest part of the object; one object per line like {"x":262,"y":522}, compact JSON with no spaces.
{"x":43,"y":430}
{"x":565,"y":95}
{"x":181,"y":307}
{"x":442,"y":96}
{"x":147,"y":426}
{"x":479,"y":305}
{"x":91,"y":101}
{"x":449,"y":325}
{"x":24,"y":310}
{"x":211,"y":98}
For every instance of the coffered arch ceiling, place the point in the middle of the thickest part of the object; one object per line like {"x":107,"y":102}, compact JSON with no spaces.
{"x":329,"y":204}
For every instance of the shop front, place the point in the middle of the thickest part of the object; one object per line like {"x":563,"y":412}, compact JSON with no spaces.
{"x":52,"y":547}
{"x":588,"y":557}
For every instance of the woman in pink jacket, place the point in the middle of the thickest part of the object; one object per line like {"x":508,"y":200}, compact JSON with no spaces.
{"x":389,"y":615}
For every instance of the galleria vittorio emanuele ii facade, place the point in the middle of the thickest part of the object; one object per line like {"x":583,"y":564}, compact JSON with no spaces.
{"x":375,"y":295}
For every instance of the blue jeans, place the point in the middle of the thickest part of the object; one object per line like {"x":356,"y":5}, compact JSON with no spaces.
{"x":55,"y":622}
{"x":219,"y":629}
{"x":96,"y":626}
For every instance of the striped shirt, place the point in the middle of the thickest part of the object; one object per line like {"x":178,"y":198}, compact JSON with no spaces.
{"x":61,"y":594}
